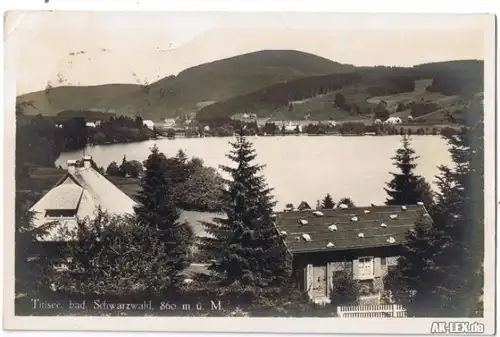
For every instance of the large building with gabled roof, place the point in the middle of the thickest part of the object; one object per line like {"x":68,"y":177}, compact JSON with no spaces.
{"x":77,"y":196}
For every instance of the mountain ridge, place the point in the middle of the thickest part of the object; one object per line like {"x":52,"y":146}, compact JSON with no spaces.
{"x":197,"y":89}
{"x":177,"y":94}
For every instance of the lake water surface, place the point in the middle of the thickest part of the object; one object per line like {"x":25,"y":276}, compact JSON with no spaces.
{"x":300,"y":167}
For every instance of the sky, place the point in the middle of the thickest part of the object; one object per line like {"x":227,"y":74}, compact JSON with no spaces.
{"x":90,"y":48}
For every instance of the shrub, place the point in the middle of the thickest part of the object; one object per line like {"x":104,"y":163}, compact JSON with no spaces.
{"x":448,"y":132}
{"x":345,"y":290}
{"x":132,"y":168}
{"x":113,"y":170}
{"x":114,"y":256}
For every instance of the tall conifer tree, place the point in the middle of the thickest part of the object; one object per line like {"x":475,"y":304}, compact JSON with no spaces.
{"x":402,"y":188}
{"x":32,"y":269}
{"x":450,"y":280}
{"x":459,"y":215}
{"x":413,"y":283}
{"x":405,"y":188}
{"x":157,"y":210}
{"x":327,"y":202}
{"x":346,"y":201}
{"x":245,"y":245}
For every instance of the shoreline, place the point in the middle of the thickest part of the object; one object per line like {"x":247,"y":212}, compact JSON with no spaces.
{"x":181,"y":136}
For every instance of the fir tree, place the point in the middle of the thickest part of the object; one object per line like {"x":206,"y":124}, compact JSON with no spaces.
{"x":328,"y":202}
{"x":403,"y":188}
{"x":123,"y":171}
{"x":246,"y":247}
{"x":446,"y":276}
{"x":157,"y":210}
{"x":347,"y":202}
{"x":413,"y":282}
{"x":113,"y":170}
{"x":31,"y":267}
{"x":177,"y":170}
{"x":426,"y":194}
{"x":459,"y":215}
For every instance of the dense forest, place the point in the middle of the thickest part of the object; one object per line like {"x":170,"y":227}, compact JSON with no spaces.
{"x":40,"y":141}
{"x":464,"y":78}
{"x":268,"y":99}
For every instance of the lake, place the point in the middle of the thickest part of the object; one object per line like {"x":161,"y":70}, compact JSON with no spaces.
{"x":300,"y":167}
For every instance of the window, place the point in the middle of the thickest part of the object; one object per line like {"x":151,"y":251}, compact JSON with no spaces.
{"x":60,"y":213}
{"x":383,"y":261}
{"x":365,"y":268}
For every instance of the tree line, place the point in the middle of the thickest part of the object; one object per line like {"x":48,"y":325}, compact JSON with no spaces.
{"x":40,"y":141}
{"x":195,"y":186}
{"x":225,"y":127}
{"x":279,"y":95}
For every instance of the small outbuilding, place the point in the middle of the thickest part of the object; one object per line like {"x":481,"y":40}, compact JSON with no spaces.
{"x":148,"y":123}
{"x":393,"y":120}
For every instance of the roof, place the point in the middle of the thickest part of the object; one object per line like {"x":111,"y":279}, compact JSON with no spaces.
{"x":341,"y":227}
{"x":84,"y":191}
{"x":64,"y":196}
{"x":244,"y":116}
{"x":110,"y":197}
{"x":303,"y":206}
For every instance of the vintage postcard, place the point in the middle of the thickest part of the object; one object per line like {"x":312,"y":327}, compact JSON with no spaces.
{"x":249,"y":172}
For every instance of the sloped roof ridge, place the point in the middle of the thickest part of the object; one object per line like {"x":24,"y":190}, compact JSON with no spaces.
{"x":319,"y":240}
{"x":377,"y":207}
{"x":351,"y":229}
{"x":71,"y":176}
{"x":107,"y":194}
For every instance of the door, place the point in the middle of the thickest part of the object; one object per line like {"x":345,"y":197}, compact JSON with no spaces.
{"x":319,"y":282}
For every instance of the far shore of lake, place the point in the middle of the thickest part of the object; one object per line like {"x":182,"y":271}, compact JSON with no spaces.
{"x":356,"y":166}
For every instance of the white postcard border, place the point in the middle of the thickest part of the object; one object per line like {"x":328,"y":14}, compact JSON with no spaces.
{"x":225,"y":324}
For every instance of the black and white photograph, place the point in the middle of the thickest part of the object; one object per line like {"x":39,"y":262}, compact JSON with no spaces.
{"x":240,"y":166}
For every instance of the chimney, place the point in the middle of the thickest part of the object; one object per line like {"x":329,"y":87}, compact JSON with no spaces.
{"x":87,"y":161}
{"x":71,"y":166}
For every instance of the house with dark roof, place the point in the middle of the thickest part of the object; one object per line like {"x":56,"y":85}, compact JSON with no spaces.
{"x":365,"y":241}
{"x":303,"y":206}
{"x":77,"y":196}
{"x":244,"y":117}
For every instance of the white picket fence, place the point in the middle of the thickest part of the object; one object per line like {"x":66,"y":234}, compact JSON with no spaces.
{"x":371,"y":311}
